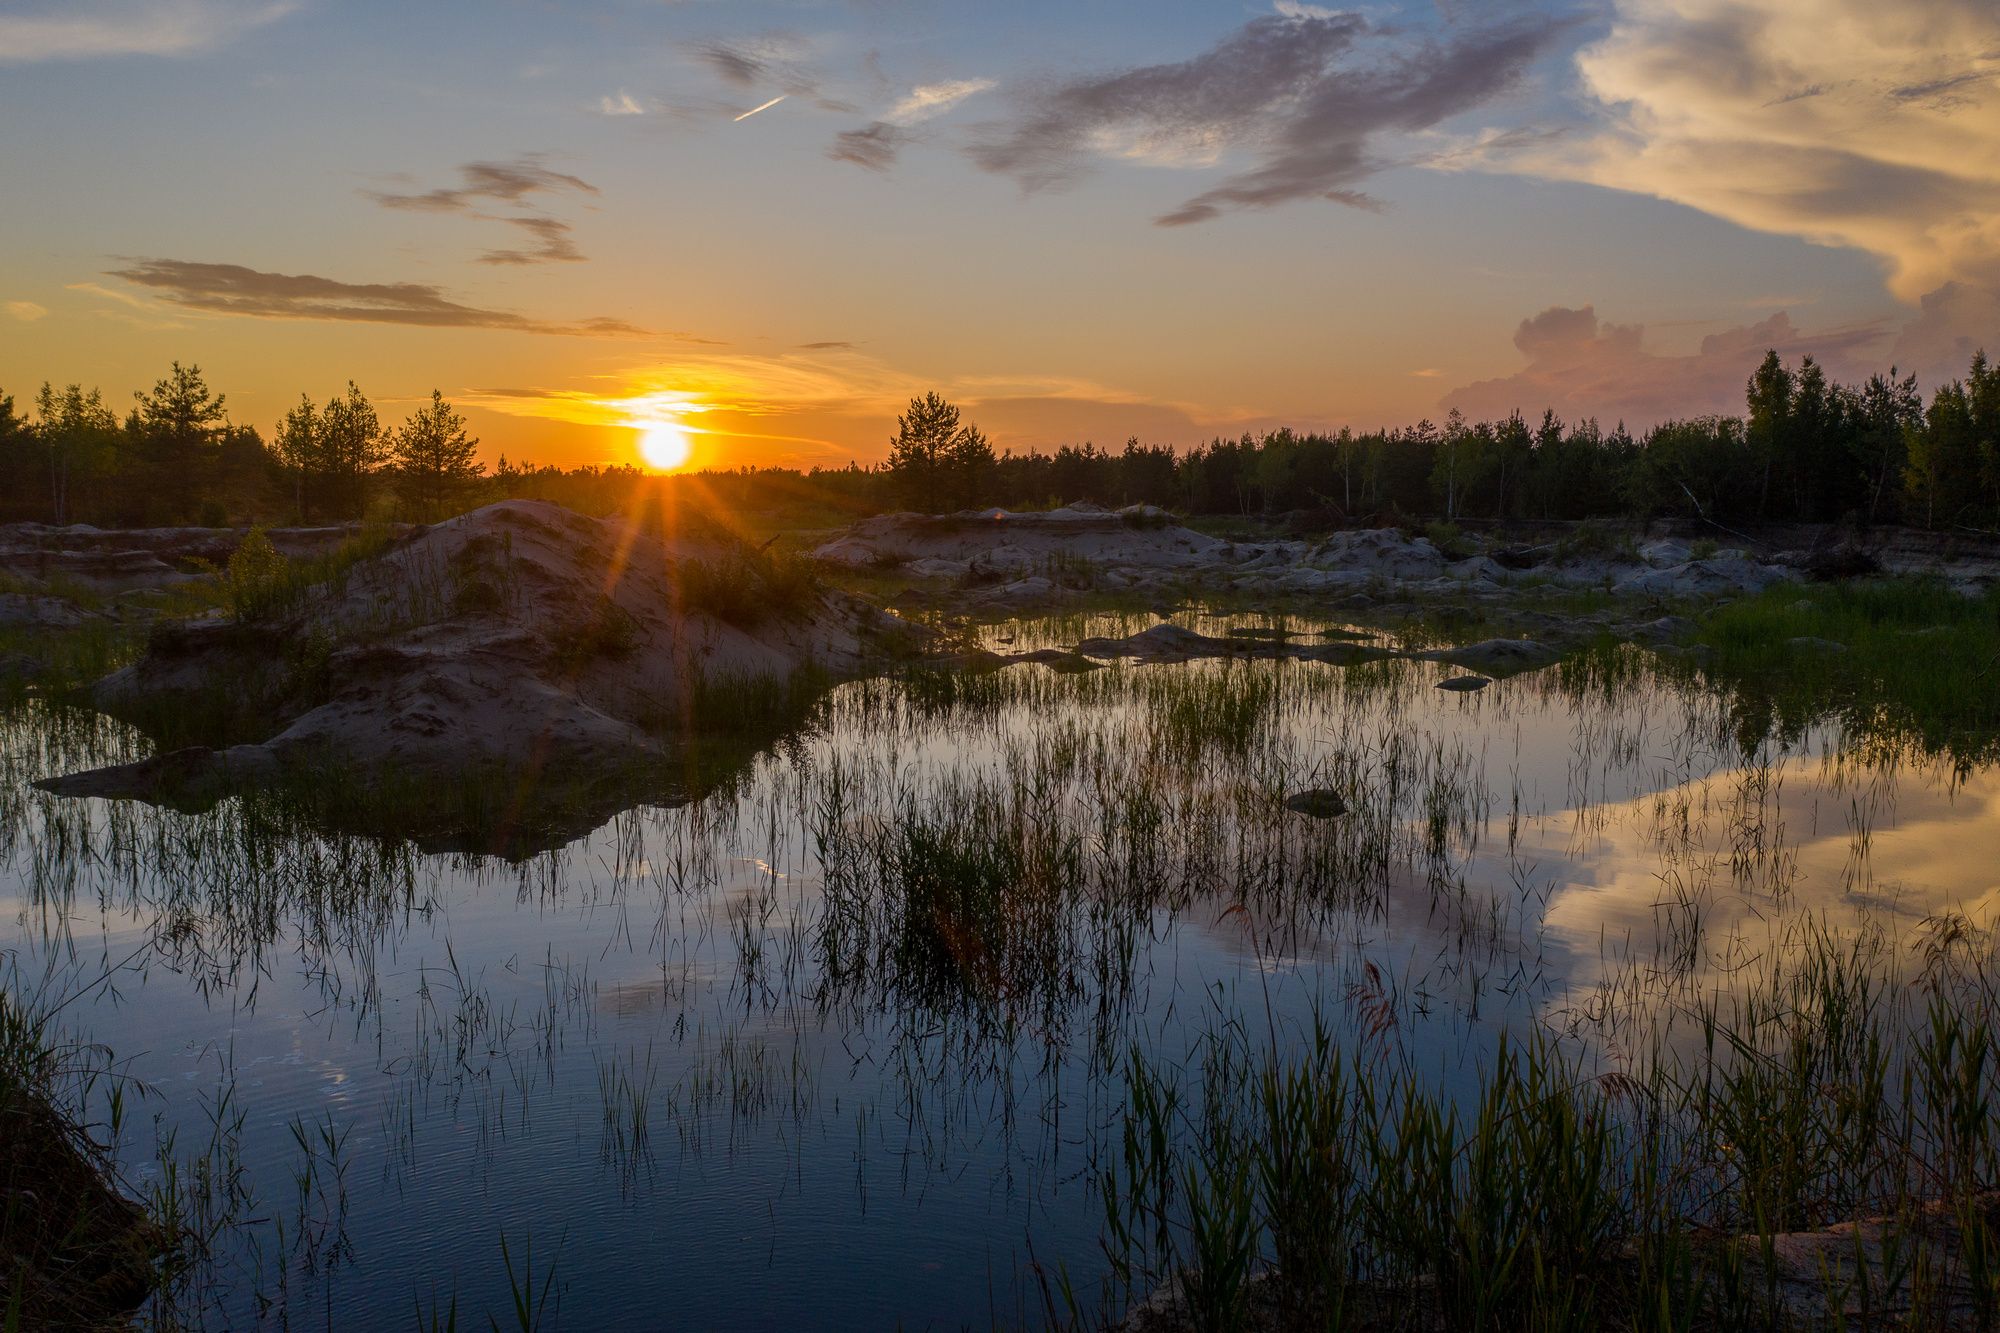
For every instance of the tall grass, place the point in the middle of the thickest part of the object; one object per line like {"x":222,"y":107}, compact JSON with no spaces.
{"x":1561,"y":1194}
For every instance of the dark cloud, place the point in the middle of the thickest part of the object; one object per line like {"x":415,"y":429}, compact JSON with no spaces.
{"x":1583,"y":367}
{"x":734,"y":65}
{"x":831,"y":345}
{"x":1308,"y":93}
{"x":515,"y":184}
{"x":873,"y":146}
{"x":498,"y":182}
{"x":552,"y":243}
{"x":232,"y":289}
{"x":775,"y":60}
{"x":1930,"y":88}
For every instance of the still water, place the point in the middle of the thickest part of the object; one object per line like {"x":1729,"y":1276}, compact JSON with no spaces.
{"x":842,"y":1041}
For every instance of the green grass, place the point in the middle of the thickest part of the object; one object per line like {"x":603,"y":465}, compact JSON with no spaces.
{"x":746,"y":588}
{"x":61,"y":662}
{"x":1921,"y":663}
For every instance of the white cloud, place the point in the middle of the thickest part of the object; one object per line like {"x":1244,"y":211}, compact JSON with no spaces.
{"x":623,"y":104}
{"x":1844,"y":122}
{"x":934,"y":99}
{"x":82,"y":29}
{"x":25,"y":311}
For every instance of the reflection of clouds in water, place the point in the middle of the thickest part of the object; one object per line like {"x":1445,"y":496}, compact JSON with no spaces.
{"x":1826,"y":841}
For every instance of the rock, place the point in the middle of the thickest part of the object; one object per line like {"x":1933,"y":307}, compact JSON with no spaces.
{"x":1666,"y":629}
{"x":1665,"y":553}
{"x":1379,"y":551}
{"x":1479,"y":567}
{"x":1319,"y":803}
{"x":27,"y":611}
{"x":1843,"y":560}
{"x":1496,"y":656}
{"x":1073,"y":664}
{"x":1464,"y":684}
{"x":114,"y":560}
{"x":1720,"y":575}
{"x":1164,"y":642}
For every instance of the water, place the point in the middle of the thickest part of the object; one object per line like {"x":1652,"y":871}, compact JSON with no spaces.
{"x":739,"y":1064}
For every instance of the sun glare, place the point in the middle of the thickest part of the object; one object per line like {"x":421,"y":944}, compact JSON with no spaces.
{"x":664,"y":445}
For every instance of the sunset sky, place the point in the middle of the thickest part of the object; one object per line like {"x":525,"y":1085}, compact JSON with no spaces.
{"x":774,"y":223}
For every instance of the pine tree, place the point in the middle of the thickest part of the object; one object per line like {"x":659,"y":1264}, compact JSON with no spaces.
{"x":921,"y":452}
{"x":354,"y":449}
{"x":434,"y":458}
{"x":179,"y":423}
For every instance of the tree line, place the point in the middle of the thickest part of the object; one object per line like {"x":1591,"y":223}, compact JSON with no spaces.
{"x":176,"y":457}
{"x":1805,"y":448}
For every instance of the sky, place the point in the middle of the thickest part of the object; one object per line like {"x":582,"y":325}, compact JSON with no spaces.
{"x":767,"y":225}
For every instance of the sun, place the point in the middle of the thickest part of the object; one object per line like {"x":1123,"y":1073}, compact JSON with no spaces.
{"x":664,"y":445}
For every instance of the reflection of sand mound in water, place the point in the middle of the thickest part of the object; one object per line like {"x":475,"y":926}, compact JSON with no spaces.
{"x":519,"y":637}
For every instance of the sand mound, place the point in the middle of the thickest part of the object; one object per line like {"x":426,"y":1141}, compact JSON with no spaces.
{"x":117,"y":560}
{"x":521,"y":638}
{"x":1002,"y":558}
{"x":999,"y":542}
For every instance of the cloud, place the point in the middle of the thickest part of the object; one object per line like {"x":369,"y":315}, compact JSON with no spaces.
{"x":831,"y":344}
{"x":1583,"y":367}
{"x":873,"y":146}
{"x":83,"y":30}
{"x":1952,"y":323}
{"x":501,"y":182}
{"x":516,"y":184}
{"x":934,"y":99}
{"x":25,"y":311}
{"x":774,"y":60}
{"x":621,"y":103}
{"x":1843,"y":122}
{"x":231,"y":289}
{"x":1316,"y":97}
{"x":552,"y":243}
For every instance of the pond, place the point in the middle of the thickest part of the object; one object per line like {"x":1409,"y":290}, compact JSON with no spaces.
{"x":844,"y":1040}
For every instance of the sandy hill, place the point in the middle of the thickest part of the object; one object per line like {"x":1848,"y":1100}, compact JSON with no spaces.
{"x":521,"y":638}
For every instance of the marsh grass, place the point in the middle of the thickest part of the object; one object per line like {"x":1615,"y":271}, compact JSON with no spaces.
{"x":61,"y":663}
{"x":74,"y":1251}
{"x":995,"y":887}
{"x":1310,"y":1182}
{"x":747,"y":587}
{"x":1918,"y":662}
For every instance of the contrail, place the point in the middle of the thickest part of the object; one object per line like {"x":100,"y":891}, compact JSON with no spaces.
{"x":766,"y":107}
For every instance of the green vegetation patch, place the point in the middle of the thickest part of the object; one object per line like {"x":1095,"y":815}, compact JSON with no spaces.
{"x":1897,"y":661}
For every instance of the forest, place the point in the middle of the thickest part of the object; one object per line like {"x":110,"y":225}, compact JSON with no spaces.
{"x":1805,"y":449}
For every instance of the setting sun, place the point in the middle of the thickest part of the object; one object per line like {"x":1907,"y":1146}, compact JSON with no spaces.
{"x":664,"y":445}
